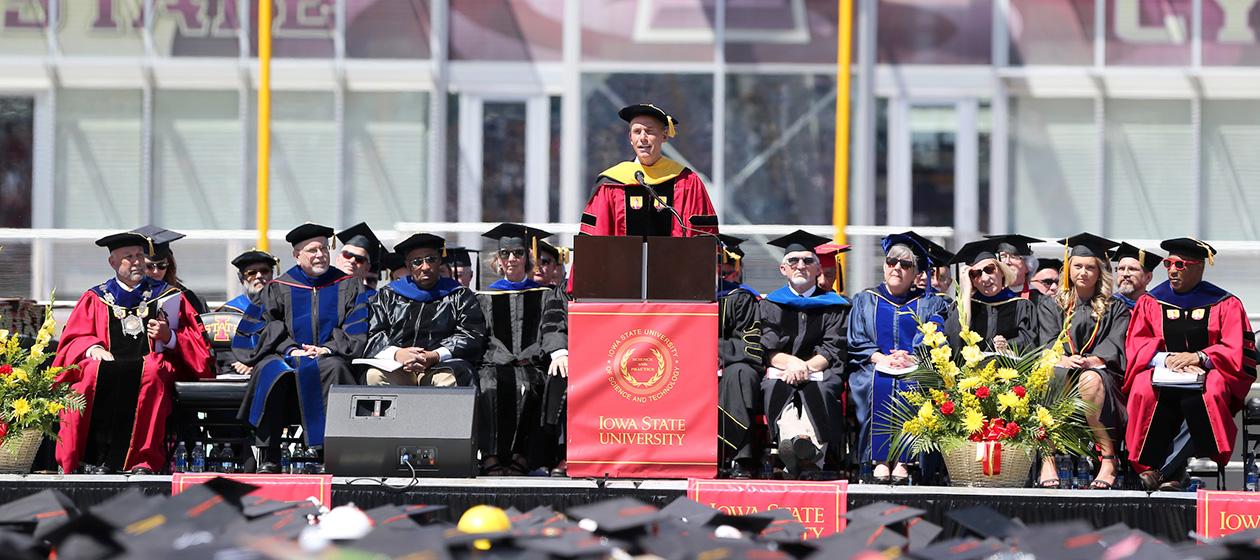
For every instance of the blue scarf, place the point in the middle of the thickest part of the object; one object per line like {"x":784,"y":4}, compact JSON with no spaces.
{"x":900,"y":300}
{"x":325,"y":279}
{"x":1202,"y":295}
{"x":1001,"y":297}
{"x":406,"y":287}
{"x":505,"y":285}
{"x":1125,"y":300}
{"x":786,"y":297}
{"x":726,"y":286}
{"x":129,"y":299}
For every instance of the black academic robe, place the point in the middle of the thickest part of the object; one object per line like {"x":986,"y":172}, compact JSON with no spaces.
{"x":295,"y":309}
{"x":740,"y":358}
{"x":525,"y":327}
{"x":806,"y":329}
{"x":1102,"y":337}
{"x":402,"y":315}
{"x":1003,"y":314}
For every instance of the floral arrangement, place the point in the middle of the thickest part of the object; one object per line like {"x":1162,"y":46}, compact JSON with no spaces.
{"x":30,"y":397}
{"x":990,"y":399}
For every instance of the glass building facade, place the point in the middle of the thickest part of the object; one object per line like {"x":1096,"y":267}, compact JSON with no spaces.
{"x":1135,"y":119}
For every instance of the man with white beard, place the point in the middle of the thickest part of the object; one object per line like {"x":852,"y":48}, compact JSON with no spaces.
{"x":1134,"y":269}
{"x":255,"y":269}
{"x":803,"y":334}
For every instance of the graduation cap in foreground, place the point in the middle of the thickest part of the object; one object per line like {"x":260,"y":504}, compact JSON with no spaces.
{"x":985,"y":522}
{"x":799,"y":240}
{"x":615,"y":516}
{"x":1148,"y":260}
{"x":402,"y":517}
{"x":1088,"y":245}
{"x":1189,"y":247}
{"x":254,"y":256}
{"x":629,"y":112}
{"x":961,"y":549}
{"x":306,"y":232}
{"x":361,"y":236}
{"x":695,"y":513}
{"x":1014,"y":243}
{"x":162,"y":239}
{"x":116,"y":241}
{"x":42,"y":513}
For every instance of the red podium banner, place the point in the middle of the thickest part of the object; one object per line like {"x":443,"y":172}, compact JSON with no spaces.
{"x":1224,"y":513}
{"x":643,"y":390}
{"x":819,"y":506}
{"x":279,"y":487}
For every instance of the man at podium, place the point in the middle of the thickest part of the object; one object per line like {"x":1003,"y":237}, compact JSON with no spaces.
{"x":622,"y":205}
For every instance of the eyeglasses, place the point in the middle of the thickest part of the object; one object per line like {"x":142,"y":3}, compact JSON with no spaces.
{"x":356,"y":258}
{"x":546,"y":261}
{"x":505,"y":253}
{"x":1010,"y":257}
{"x":1179,"y":264}
{"x":976,"y":272}
{"x":157,"y":265}
{"x":793,"y":261}
{"x":421,"y":261}
{"x":903,"y":263}
{"x":1047,"y":282}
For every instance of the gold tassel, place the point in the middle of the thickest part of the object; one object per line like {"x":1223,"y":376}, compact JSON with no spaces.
{"x":1208,"y":250}
{"x":1064,"y":284}
{"x":1142,"y":258}
{"x":670,"y":129}
{"x":533,"y":249}
{"x":564,"y":254}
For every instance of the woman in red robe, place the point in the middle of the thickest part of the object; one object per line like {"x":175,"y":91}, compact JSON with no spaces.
{"x":128,"y":340}
{"x":1192,"y":327}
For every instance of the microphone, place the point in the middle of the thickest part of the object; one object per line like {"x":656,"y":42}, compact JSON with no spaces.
{"x":642,"y":180}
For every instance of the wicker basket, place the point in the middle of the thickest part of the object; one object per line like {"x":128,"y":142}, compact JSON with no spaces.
{"x":965,"y":470}
{"x":17,"y":453}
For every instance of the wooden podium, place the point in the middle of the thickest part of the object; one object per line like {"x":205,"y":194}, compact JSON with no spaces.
{"x":643,"y":358}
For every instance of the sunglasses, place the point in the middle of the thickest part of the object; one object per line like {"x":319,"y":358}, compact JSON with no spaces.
{"x":903,"y":263}
{"x":505,"y":253}
{"x":255,"y":272}
{"x":1047,"y":282}
{"x":157,"y":265}
{"x":793,"y":261}
{"x":356,"y":258}
{"x":421,"y":261}
{"x":1179,"y":264}
{"x":976,"y":272}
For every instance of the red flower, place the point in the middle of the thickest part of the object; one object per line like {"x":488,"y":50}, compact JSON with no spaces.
{"x":947,"y":408}
{"x":6,"y":369}
{"x":1040,"y":433}
{"x":1019,"y":391}
{"x":982,"y":392}
{"x":4,"y":430}
{"x":1012,"y":430}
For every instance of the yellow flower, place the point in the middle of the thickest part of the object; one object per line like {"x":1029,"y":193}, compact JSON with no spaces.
{"x":18,"y":374}
{"x":970,"y":337}
{"x":941,"y":355}
{"x":21,"y":408}
{"x":1044,"y":417}
{"x":968,"y":383}
{"x":973,"y":420}
{"x":927,"y":328}
{"x":1008,"y":401}
{"x":935,"y":340}
{"x":912,"y":397}
{"x":54,"y":407}
{"x":972,"y":355}
{"x":913,"y":427}
{"x":1007,"y":374}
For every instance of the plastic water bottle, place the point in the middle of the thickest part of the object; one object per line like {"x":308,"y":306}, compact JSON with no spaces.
{"x":313,"y":466}
{"x":1084,"y":472}
{"x":298,"y":462}
{"x":1196,"y":483}
{"x":198,"y":458}
{"x":181,"y":459}
{"x":1252,"y":474}
{"x":767,"y":465}
{"x":284,"y":458}
{"x":227,"y":460}
{"x":1063,"y":464}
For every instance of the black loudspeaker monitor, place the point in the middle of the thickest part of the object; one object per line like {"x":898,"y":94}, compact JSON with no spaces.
{"x":370,"y":429}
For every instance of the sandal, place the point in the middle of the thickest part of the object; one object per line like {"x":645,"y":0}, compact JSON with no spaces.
{"x":1099,"y":484}
{"x":1151,"y":480}
{"x":1172,"y":486}
{"x":1050,"y":484}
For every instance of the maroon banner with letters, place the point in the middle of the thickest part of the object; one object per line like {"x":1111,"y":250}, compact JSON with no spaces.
{"x":819,"y":506}
{"x":1225,"y":513}
{"x":643,"y":390}
{"x":278,"y":487}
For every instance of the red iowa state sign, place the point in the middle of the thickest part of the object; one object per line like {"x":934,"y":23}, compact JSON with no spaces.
{"x":279,"y":487}
{"x":1225,"y":513}
{"x":643,"y":390}
{"x":819,"y":506}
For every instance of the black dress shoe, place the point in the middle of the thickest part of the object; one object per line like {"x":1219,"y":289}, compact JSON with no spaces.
{"x":268,"y":468}
{"x":140,"y":471}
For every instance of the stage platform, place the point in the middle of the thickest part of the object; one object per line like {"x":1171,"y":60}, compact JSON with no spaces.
{"x":1170,"y":516}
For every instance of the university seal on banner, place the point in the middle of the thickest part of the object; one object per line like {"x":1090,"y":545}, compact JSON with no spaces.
{"x":642,"y":365}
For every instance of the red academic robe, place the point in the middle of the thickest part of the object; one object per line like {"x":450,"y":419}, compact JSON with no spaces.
{"x":88,"y":326}
{"x":619,"y":206}
{"x":1225,"y":387}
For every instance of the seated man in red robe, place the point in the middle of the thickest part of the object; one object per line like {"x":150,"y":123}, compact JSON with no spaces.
{"x":125,"y":344}
{"x":620,"y":205}
{"x":1192,"y":327}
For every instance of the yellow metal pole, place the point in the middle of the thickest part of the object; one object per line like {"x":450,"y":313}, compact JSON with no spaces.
{"x":844,"y":59}
{"x":264,"y":122}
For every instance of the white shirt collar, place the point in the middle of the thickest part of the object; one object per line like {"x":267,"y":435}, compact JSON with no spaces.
{"x":808,"y":293}
{"x":126,"y":288}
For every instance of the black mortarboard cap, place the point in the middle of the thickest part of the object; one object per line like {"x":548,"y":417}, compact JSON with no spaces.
{"x":254,"y":256}
{"x":1054,"y":264}
{"x":1088,"y":245}
{"x":799,"y":240}
{"x":516,"y":236}
{"x":614,"y":516}
{"x":572,"y":545}
{"x":402,"y":517}
{"x":731,"y":243}
{"x":544,"y":247}
{"x":984,"y":522}
{"x":257,"y":506}
{"x":975,"y":252}
{"x":362,"y":236}
{"x":126,"y":239}
{"x":43,"y":512}
{"x":629,"y":112}
{"x":15,"y":545}
{"x":921,"y":533}
{"x":925,"y":250}
{"x":1014,"y":243}
{"x":937,"y":254}
{"x":391,"y":260}
{"x":423,"y":542}
{"x":883,"y":513}
{"x":1148,"y":259}
{"x":459,"y":256}
{"x":865,"y":535}
{"x":420,"y":241}
{"x":162,"y":238}
{"x":1189,"y":247}
{"x":961,"y":549}
{"x":307,"y":231}
{"x":693,"y":512}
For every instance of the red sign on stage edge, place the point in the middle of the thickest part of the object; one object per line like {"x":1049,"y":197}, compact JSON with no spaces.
{"x":643,"y":390}
{"x":819,"y":506}
{"x":1224,"y":513}
{"x":279,"y":487}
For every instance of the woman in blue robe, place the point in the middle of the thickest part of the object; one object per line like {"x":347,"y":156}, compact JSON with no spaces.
{"x":883,"y":332}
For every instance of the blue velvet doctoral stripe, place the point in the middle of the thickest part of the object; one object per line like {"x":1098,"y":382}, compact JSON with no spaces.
{"x":239,"y":303}
{"x":786,"y":297}
{"x":406,"y":287}
{"x":1130,"y":303}
{"x":1202,"y":295}
{"x":249,"y":328}
{"x":265,"y":378}
{"x":300,"y":300}
{"x":726,"y":287}
{"x":357,"y":319}
{"x":1005,"y":295}
{"x":310,"y":398}
{"x":505,"y":285}
{"x":328,"y":312}
{"x":133,"y":298}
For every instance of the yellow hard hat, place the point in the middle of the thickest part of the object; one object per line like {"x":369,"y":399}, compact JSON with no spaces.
{"x":484,"y":519}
